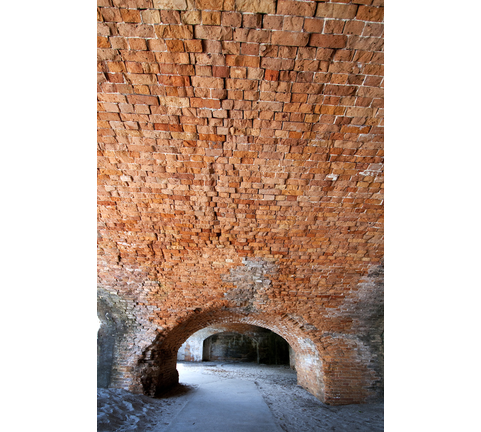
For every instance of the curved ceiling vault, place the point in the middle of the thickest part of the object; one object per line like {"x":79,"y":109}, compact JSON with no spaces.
{"x":240,"y":167}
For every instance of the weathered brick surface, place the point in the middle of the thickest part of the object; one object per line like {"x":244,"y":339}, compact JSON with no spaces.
{"x":336,"y":10}
{"x":240,"y":175}
{"x":256,"y":6}
{"x":301,"y":8}
{"x":170,"y":4}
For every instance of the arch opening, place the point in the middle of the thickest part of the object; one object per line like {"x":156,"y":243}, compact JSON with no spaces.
{"x":157,"y":371}
{"x":244,"y":343}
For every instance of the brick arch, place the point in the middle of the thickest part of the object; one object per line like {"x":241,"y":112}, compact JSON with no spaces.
{"x":157,"y":370}
{"x":287,"y":329}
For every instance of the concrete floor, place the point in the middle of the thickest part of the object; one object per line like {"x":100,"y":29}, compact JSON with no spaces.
{"x":220,"y":405}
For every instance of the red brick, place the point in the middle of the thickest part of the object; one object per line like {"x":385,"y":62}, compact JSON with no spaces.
{"x":115,"y":78}
{"x":241,"y":84}
{"x":174,"y":31}
{"x":170,"y":16}
{"x":373,"y":69}
{"x":252,"y":20}
{"x":205,"y":103}
{"x":334,"y":26}
{"x":373,"y":29}
{"x":256,"y":6}
{"x":258,"y":36}
{"x":157,"y":45}
{"x":103,"y":42}
{"x":336,"y":10}
{"x":288,"y":52}
{"x":211,"y":137}
{"x":250,"y":49}
{"x":210,"y":4}
{"x":130,"y":15}
{"x":293,"y":24}
{"x":211,"y":18}
{"x":289,"y":7}
{"x":180,"y":81}
{"x":136,"y":30}
{"x":138,"y":56}
{"x":212,"y":32}
{"x":150,"y":16}
{"x":272,"y":22}
{"x":277,"y":63}
{"x":289,"y":38}
{"x":353,"y":28}
{"x":313,"y":25}
{"x":146,"y":100}
{"x":340,"y":90}
{"x":207,"y":82}
{"x":137,"y":44}
{"x":245,"y":61}
{"x":372,"y":81}
{"x":365,"y":43}
{"x":327,"y":41}
{"x":271,"y":75}
{"x":193,"y":45}
{"x":367,"y":13}
{"x":111,"y":14}
{"x":231,"y":19}
{"x":220,"y":71}
{"x":174,"y":45}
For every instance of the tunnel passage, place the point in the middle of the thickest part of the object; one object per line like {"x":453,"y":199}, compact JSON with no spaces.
{"x":236,"y":343}
{"x":157,"y":370}
{"x":229,"y":347}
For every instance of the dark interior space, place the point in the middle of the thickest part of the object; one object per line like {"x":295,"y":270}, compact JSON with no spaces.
{"x":267,"y":348}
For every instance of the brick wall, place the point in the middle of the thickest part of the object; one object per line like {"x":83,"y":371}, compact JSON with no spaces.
{"x":240,"y":169}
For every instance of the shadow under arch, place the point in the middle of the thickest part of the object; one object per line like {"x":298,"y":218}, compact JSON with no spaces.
{"x":157,"y":370}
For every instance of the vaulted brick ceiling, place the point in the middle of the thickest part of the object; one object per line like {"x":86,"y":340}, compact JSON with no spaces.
{"x":236,"y":133}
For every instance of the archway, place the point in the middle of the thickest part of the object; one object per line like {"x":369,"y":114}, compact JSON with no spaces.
{"x":237,"y":342}
{"x":156,"y":372}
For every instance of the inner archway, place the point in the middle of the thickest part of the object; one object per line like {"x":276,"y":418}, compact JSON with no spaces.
{"x":237,"y":342}
{"x":158,"y":370}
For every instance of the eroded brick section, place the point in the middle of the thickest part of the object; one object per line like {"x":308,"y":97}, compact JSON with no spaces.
{"x":251,"y":283}
{"x":233,"y":132}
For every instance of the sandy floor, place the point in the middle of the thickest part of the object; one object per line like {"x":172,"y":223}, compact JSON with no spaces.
{"x":294,"y":409}
{"x":121,"y":411}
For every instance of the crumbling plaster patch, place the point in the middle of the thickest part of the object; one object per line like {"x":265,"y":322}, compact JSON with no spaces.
{"x":252,"y":283}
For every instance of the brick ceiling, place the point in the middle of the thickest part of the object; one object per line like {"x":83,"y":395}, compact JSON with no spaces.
{"x":234,"y":132}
